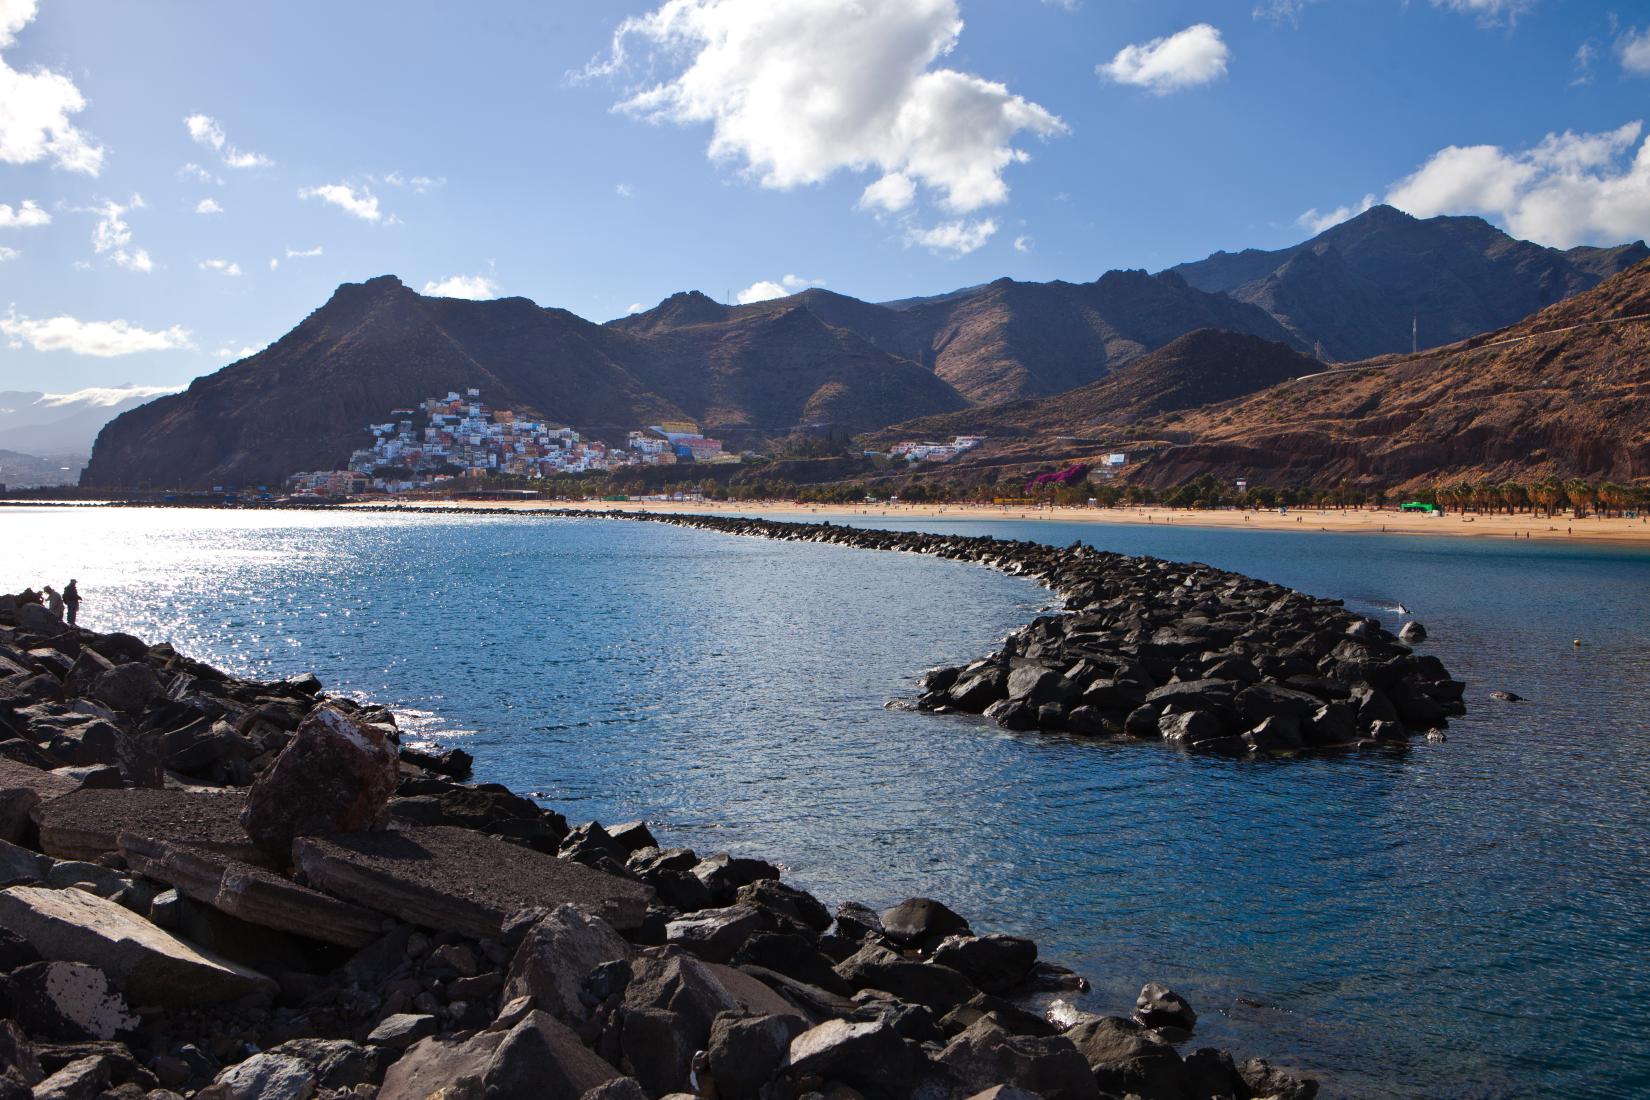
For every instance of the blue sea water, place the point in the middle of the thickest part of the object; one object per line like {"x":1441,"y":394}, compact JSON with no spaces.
{"x":1467,"y":919}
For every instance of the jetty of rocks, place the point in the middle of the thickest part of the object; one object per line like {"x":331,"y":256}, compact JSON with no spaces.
{"x":226,"y":889}
{"x":1200,"y":658}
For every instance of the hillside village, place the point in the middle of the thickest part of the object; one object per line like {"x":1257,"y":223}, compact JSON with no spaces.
{"x":460,"y":437}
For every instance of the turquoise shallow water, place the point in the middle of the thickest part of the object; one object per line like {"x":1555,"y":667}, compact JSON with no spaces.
{"x":1459,"y":920}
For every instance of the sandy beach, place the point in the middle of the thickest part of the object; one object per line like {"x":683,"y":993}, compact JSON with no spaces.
{"x":1562,"y":527}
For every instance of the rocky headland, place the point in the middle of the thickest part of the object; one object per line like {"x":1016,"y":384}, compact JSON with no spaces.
{"x":242,"y":890}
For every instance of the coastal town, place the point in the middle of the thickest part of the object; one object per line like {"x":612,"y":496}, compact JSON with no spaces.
{"x":461,"y":437}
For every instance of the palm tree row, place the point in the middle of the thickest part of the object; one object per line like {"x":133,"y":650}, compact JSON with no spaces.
{"x":1547,"y":494}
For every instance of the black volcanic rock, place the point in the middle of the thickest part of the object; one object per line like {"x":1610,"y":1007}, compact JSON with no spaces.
{"x":1353,"y":291}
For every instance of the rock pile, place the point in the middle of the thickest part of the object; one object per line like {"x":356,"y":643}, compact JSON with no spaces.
{"x":1201,"y":658}
{"x":216,"y":888}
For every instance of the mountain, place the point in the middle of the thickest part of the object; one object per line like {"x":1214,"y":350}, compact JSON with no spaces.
{"x":1565,"y":393}
{"x":303,"y":402}
{"x":65,"y":423}
{"x":1354,"y":290}
{"x":1201,"y":368}
{"x":998,"y":342}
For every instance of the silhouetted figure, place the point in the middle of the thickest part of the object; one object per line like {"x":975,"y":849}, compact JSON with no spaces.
{"x":54,"y":601}
{"x":71,"y":600}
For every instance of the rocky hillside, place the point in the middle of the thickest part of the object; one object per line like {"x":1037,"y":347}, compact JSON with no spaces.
{"x":1354,"y":290}
{"x":1564,"y":393}
{"x":1201,"y":368}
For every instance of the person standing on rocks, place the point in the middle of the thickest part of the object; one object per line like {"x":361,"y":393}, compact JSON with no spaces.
{"x":71,"y":600}
{"x":54,"y":601}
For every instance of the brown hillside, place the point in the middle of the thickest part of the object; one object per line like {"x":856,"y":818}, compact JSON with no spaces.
{"x":1565,"y":392}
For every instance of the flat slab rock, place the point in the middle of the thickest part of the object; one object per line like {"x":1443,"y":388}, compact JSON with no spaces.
{"x":22,"y":789}
{"x":87,"y":824}
{"x":150,"y":965}
{"x":458,"y":880}
{"x":254,"y":894}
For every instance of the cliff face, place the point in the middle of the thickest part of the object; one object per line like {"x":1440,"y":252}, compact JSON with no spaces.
{"x":1354,"y":291}
{"x":1564,"y":393}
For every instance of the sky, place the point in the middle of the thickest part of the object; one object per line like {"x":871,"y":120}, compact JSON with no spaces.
{"x":182,"y":182}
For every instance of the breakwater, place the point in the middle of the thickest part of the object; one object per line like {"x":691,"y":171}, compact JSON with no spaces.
{"x":1201,"y":658}
{"x":237,"y":889}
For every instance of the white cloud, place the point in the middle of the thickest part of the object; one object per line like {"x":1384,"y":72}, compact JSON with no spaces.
{"x":303,"y":253}
{"x":954,"y":239}
{"x":635,"y":307}
{"x":798,"y":90}
{"x":195,"y":172}
{"x":274,"y":263}
{"x":111,"y":235}
{"x":418,"y":184}
{"x":224,"y":266}
{"x":764,"y":290}
{"x":1281,"y":11}
{"x":624,"y":190}
{"x":208,"y":206}
{"x":1569,"y":189}
{"x":205,"y":130}
{"x":25,"y":216}
{"x":1315,"y":221}
{"x":103,"y":396}
{"x":891,"y":193}
{"x":8,"y":253}
{"x":35,"y":108}
{"x":1633,"y":50}
{"x":1186,"y":59}
{"x":1023,"y":243}
{"x":104,"y":339}
{"x":1488,"y":11}
{"x":228,"y":351}
{"x":463,"y":286}
{"x":357,"y":202}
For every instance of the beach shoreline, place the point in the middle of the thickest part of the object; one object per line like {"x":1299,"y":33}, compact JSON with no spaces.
{"x":1561,"y":528}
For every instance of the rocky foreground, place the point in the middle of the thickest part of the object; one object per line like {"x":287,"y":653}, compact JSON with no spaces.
{"x":215,"y":887}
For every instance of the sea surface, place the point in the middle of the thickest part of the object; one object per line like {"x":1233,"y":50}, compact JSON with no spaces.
{"x":1467,"y":919}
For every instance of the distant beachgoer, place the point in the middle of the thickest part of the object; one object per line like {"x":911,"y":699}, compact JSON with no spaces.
{"x":71,"y":600}
{"x":54,"y":601}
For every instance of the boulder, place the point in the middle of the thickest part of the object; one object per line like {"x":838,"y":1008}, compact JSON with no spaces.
{"x":18,"y":1060}
{"x":128,"y":688}
{"x":746,"y":1051}
{"x":33,"y":618}
{"x":22,"y":788}
{"x":89,"y":824}
{"x":268,"y":1076}
{"x":21,"y":866}
{"x":1160,"y":1007}
{"x":810,"y":1001}
{"x":249,"y":893}
{"x":402,"y":1030}
{"x":335,"y":776}
{"x":724,"y":874}
{"x":66,"y":1001}
{"x":556,"y":955}
{"x":985,"y":1055}
{"x":868,"y":1055}
{"x":939,"y":988}
{"x":793,"y":955}
{"x":1127,"y":1058}
{"x":82,"y":1079}
{"x":1263,"y":1079}
{"x":1412,"y":632}
{"x":994,"y":963}
{"x":458,"y":880}
{"x":150,"y":965}
{"x":685,"y":989}
{"x":1279,"y":733}
{"x":1190,"y":727}
{"x":919,"y":920}
{"x":338,"y":1063}
{"x":442,"y":1066}
{"x":714,"y":934}
{"x":543,"y":1058}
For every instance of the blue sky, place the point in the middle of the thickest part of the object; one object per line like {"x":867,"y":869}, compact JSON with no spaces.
{"x":882,"y":149}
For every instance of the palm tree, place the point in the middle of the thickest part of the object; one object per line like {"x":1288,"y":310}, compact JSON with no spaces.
{"x":1514,"y":496}
{"x":1581,"y":494}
